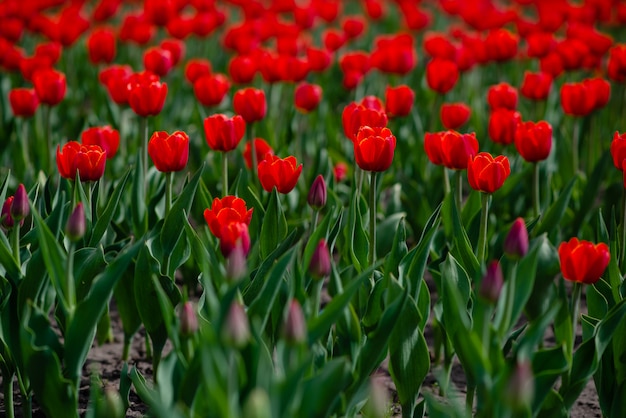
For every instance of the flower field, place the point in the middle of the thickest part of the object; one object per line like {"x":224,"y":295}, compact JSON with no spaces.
{"x":276,"y":200}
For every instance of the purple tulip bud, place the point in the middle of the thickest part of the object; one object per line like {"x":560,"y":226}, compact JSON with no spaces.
{"x":188,"y":320}
{"x":516,"y":242}
{"x":320,"y":261}
{"x":295,"y":326}
{"x":492,"y":282}
{"x":75,"y":227}
{"x":236,"y":263}
{"x":20,"y":207}
{"x":317,"y":193}
{"x":236,"y":331}
{"x":520,"y":387}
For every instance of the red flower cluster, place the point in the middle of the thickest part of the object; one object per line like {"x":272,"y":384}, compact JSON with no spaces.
{"x":87,"y":160}
{"x":582,"y":261}
{"x":374,"y":148}
{"x":281,"y":173}
{"x":228,"y":219}
{"x":169,"y":153}
{"x":487,"y":174}
{"x":224,"y":133}
{"x":369,"y":112}
{"x":104,"y":136}
{"x":450,"y":148}
{"x":580,"y":99}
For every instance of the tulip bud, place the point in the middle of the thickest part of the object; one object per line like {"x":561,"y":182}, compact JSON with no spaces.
{"x":188,"y":320}
{"x":20,"y":207}
{"x":516,"y":241}
{"x":257,"y":405}
{"x":319,"y":267}
{"x":295,"y":326}
{"x":7,"y":219}
{"x":110,"y":406}
{"x":75,"y":227}
{"x":520,"y":387}
{"x":378,"y":403}
{"x":317,"y":193}
{"x":492,"y":282}
{"x":236,"y":263}
{"x":236,"y":331}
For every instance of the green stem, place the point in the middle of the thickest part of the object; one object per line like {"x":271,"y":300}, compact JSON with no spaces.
{"x":623,"y":248}
{"x":47,"y":134}
{"x":317,"y":296}
{"x":484,"y":216}
{"x":15,"y":240}
{"x":23,"y":143}
{"x":316,"y":216}
{"x":574,"y":308}
{"x":505,"y":324}
{"x":469,"y":399}
{"x":224,"y":174}
{"x":575,"y":145}
{"x":446,"y":181}
{"x":27,"y":406}
{"x":144,"y":151}
{"x":372,"y":255}
{"x":126,"y":350}
{"x":168,"y":192}
{"x":70,"y":286}
{"x":536,"y":206}
{"x":8,"y":396}
{"x":459,"y":190}
{"x":359,"y":180}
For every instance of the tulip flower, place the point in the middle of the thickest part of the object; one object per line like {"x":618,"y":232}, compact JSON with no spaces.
{"x":104,"y":136}
{"x":280,"y":173}
{"x":374,"y":148}
{"x":457,"y":148}
{"x":618,"y":149}
{"x":441,"y":75}
{"x":169,"y":152}
{"x":158,"y":61}
{"x":88,"y":160}
{"x":24,"y":102}
{"x":340,"y":171}
{"x":211,"y":89}
{"x":146,"y":94}
{"x":50,"y":86}
{"x":533,"y":140}
{"x":577,"y":99}
{"x":226,"y":210}
{"x":399,"y":100}
{"x":115,"y":78}
{"x":294,"y":328}
{"x":75,"y":226}
{"x":262,"y":150}
{"x":232,"y":235}
{"x":242,"y":69}
{"x":502,"y":95}
{"x":101,"y":46}
{"x":492,"y":283}
{"x":320,"y":264}
{"x":196,"y":68}
{"x":438,"y":45}
{"x":224,"y":133}
{"x":616,"y":68}
{"x":250,"y":104}
{"x":536,"y":86}
{"x":5,"y":217}
{"x":307,"y":97}
{"x":502,"y":125}
{"x":516,"y":241}
{"x":176,"y":49}
{"x":501,"y":45}
{"x":355,"y":115}
{"x":454,"y":115}
{"x":486,"y":173}
{"x":394,"y":54}
{"x":317,"y":193}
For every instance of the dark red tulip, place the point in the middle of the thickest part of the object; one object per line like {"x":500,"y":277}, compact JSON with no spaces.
{"x":158,"y":61}
{"x":502,"y":125}
{"x":176,"y":49}
{"x":250,"y":104}
{"x":551,"y":64}
{"x":115,"y":78}
{"x":319,"y":59}
{"x":502,"y":95}
{"x":101,"y":46}
{"x":262,"y":149}
{"x":450,"y":148}
{"x":105,"y":137}
{"x":441,"y":75}
{"x":394,"y":54}
{"x":224,"y":211}
{"x":87,"y":160}
{"x":533,"y":140}
{"x":146,"y":94}
{"x":50,"y":86}
{"x":374,"y":148}
{"x":224,"y":133}
{"x":618,"y":150}
{"x":438,"y":45}
{"x":617,"y":63}
{"x":280,"y":173}
{"x":196,"y":68}
{"x":536,"y":86}
{"x":353,"y":26}
{"x":29,"y":65}
{"x":600,"y":89}
{"x":487,"y":174}
{"x":540,"y":44}
{"x":572,"y":53}
{"x":399,"y":100}
{"x":582,"y":261}
{"x":137,"y":29}
{"x":355,"y":115}
{"x":24,"y":102}
{"x":211,"y":89}
{"x":454,"y":115}
{"x":307,"y":97}
{"x":169,"y":153}
{"x":333,"y":39}
{"x":501,"y":45}
{"x":577,"y":99}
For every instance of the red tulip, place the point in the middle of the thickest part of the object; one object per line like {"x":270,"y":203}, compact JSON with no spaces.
{"x":356,"y":115}
{"x":50,"y":86}
{"x":146,"y":94}
{"x":280,"y":173}
{"x":137,"y":29}
{"x":6,"y":220}
{"x":242,"y":69}
{"x":176,"y":49}
{"x":600,"y":89}
{"x":169,"y":153}
{"x":617,"y":63}
{"x":307,"y":97}
{"x":456,"y":149}
{"x":29,"y":65}
{"x":211,"y":89}
{"x":233,"y":235}
{"x":432,"y":146}
{"x":374,"y":148}
{"x":533,"y":140}
{"x":501,"y":45}
{"x":262,"y":149}
{"x":536,"y":86}
{"x":105,"y":137}
{"x":618,"y":150}
{"x":487,"y":174}
{"x":399,"y":100}
{"x":24,"y":102}
{"x":340,"y":171}
{"x":115,"y":78}
{"x":577,"y":99}
{"x":101,"y":46}
{"x":394,"y":54}
{"x":572,"y":53}
{"x":441,"y":75}
{"x":502,"y":95}
{"x":353,"y":26}
{"x":319,"y":59}
{"x":196,"y":68}
{"x":87,"y":160}
{"x":540,"y":44}
{"x":224,"y":211}
{"x":551,"y":64}
{"x":502,"y":125}
{"x":158,"y":61}
{"x":223,"y":133}
{"x":454,"y":115}
{"x":438,"y":45}
{"x":333,"y":39}
{"x":250,"y":104}
{"x":582,"y":261}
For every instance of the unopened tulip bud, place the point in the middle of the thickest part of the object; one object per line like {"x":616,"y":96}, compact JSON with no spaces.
{"x":317,"y":193}
{"x":520,"y":387}
{"x":236,"y":263}
{"x":257,"y":405}
{"x":236,"y":331}
{"x":20,"y":207}
{"x":188,"y":320}
{"x":516,"y":242}
{"x":111,"y":406}
{"x":75,"y":227}
{"x":492,"y":282}
{"x":7,"y":219}
{"x":295,"y":326}
{"x":320,"y":261}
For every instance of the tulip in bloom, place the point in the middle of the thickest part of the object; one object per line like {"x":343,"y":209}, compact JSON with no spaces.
{"x":196,"y":68}
{"x":250,"y":104}
{"x":577,"y":99}
{"x":502,"y":125}
{"x":224,"y":133}
{"x":101,"y":46}
{"x":441,"y":74}
{"x":355,"y":115}
{"x":399,"y":100}
{"x":438,"y":45}
{"x":146,"y":94}
{"x":24,"y":102}
{"x":226,"y":210}
{"x":454,"y":115}
{"x":536,"y":86}
{"x":307,"y":97}
{"x":501,"y":45}
{"x":487,"y":174}
{"x":617,"y":63}
{"x":618,"y":150}
{"x":87,"y":160}
{"x":600,"y":89}
{"x":450,"y":148}
{"x":582,"y":261}
{"x":176,"y":49}
{"x":104,"y":136}
{"x":374,"y":148}
{"x":262,"y":150}
{"x":169,"y":153}
{"x":533,"y":140}
{"x":50,"y":86}
{"x":242,"y":69}
{"x":211,"y":89}
{"x":115,"y":78}
{"x":280,"y":173}
{"x":158,"y":61}
{"x":502,"y":95}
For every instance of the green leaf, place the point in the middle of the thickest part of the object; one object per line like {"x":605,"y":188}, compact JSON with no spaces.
{"x":356,"y":238}
{"x":138,"y":205}
{"x":462,"y":247}
{"x":88,"y":262}
{"x":105,"y":219}
{"x":124,"y":293}
{"x":409,"y":358}
{"x":152,"y":397}
{"x":548,"y":365}
{"x":320,"y":232}
{"x":274,"y":228}
{"x":8,"y":262}
{"x":386,"y":235}
{"x":399,"y":249}
{"x":555,"y":212}
{"x":323,"y":389}
{"x":81,"y":330}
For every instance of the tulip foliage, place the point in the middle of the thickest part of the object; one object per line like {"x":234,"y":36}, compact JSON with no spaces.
{"x":282,"y":201}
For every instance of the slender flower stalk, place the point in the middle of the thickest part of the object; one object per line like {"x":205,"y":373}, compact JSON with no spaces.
{"x":482,"y":237}
{"x":8,"y":396}
{"x":446,"y":181}
{"x":575,"y":306}
{"x":225,"y":173}
{"x":47,"y":134}
{"x":458,"y":195}
{"x":623,"y":247}
{"x":536,"y":199}
{"x":372,"y":203}
{"x":169,"y":181}
{"x":144,"y":149}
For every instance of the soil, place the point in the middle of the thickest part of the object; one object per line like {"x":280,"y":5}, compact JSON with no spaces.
{"x":106,"y":361}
